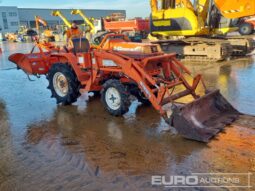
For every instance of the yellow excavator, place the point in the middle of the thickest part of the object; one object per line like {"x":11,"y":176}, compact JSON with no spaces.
{"x":200,"y":27}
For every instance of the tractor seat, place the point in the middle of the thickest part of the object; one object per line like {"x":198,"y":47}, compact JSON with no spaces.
{"x":80,"y":45}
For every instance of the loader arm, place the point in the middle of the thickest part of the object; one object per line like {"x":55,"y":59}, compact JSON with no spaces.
{"x":236,"y":8}
{"x":85,"y":18}
{"x":64,"y":19}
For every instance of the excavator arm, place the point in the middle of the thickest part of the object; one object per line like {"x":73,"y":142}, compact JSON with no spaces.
{"x":154,"y":5}
{"x":85,"y":18}
{"x":236,"y":8}
{"x":64,"y":19}
{"x":40,"y":20}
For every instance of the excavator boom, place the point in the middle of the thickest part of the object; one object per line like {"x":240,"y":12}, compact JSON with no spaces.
{"x":40,"y":20}
{"x":85,"y":18}
{"x":64,"y":19}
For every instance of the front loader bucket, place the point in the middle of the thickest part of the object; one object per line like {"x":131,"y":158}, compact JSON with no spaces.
{"x":203,"y":118}
{"x":22,"y":61}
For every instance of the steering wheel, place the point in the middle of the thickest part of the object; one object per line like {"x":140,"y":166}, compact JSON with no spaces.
{"x":97,"y":39}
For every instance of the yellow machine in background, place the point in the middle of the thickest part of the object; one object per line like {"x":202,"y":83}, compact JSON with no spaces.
{"x":203,"y":18}
{"x":85,"y":18}
{"x":67,"y":23}
{"x":47,"y":34}
{"x":39,"y":20}
{"x":64,"y":19}
{"x":90,"y":28}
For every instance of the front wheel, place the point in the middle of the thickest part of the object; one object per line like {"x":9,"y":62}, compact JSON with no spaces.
{"x":115,"y":97}
{"x":63,"y":84}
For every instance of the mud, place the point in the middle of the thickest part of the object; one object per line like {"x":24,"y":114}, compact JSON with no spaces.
{"x":81,"y":147}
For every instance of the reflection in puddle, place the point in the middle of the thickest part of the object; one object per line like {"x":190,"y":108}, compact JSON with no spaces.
{"x":107,"y":139}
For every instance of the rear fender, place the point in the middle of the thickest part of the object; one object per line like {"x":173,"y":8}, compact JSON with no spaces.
{"x":32,"y":64}
{"x":70,"y":59}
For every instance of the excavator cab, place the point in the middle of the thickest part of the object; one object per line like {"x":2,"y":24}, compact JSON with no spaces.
{"x":199,"y":17}
{"x":174,"y":18}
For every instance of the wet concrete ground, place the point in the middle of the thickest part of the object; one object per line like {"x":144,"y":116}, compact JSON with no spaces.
{"x":81,"y":147}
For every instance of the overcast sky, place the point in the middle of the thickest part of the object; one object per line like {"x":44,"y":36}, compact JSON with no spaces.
{"x":134,"y":8}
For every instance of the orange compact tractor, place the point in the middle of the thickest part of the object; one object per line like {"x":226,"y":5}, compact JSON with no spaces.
{"x":118,"y":69}
{"x":247,"y":26}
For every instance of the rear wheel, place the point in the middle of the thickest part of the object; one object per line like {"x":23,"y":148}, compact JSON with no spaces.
{"x":245,"y":29}
{"x":115,"y":97}
{"x":63,"y":84}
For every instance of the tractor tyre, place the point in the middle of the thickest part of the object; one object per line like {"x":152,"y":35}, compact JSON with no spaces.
{"x":63,"y":84}
{"x":245,"y":29}
{"x":115,"y":97}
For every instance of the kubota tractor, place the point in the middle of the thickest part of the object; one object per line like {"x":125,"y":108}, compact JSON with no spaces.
{"x":247,"y":26}
{"x":118,"y":69}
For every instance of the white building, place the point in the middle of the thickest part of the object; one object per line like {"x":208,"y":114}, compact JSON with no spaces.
{"x":11,"y":18}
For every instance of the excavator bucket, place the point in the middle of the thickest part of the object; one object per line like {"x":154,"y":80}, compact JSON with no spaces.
{"x":203,"y":118}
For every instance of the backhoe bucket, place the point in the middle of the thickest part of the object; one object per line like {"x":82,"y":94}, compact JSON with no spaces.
{"x":203,"y":118}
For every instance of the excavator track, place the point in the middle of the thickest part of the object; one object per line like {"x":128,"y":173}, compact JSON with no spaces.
{"x":198,"y":48}
{"x":242,"y":45}
{"x":209,"y":49}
